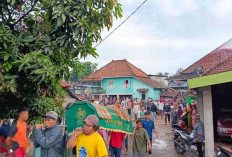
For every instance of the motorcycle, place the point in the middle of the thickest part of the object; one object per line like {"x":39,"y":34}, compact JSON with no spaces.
{"x":183,"y":143}
{"x":223,"y":151}
{"x":181,"y":126}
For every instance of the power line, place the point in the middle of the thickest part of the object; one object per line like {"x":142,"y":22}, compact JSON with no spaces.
{"x":122,"y":23}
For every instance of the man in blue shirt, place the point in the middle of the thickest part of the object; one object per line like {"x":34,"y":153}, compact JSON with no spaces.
{"x":198,"y":135}
{"x":149,"y":125}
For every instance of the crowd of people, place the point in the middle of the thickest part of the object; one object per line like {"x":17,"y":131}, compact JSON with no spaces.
{"x":168,"y":109}
{"x":171,"y":110}
{"x":92,"y":142}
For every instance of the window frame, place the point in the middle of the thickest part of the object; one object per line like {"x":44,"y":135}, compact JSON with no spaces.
{"x":124,"y":84}
{"x":111,"y":86}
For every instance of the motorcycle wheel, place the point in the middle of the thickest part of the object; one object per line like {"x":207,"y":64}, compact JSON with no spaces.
{"x":178,"y":149}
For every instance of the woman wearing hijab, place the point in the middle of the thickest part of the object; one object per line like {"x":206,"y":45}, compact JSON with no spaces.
{"x":189,"y":116}
{"x":194,"y":112}
{"x":184,"y":116}
{"x":180,"y":111}
{"x":4,"y":131}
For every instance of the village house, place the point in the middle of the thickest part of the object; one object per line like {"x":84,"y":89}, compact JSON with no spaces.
{"x":211,"y":77}
{"x":120,"y":78}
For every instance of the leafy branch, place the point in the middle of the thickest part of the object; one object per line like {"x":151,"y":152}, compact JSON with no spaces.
{"x":30,"y":10}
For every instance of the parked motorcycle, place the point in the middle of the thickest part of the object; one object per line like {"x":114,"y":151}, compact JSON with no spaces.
{"x":183,"y":143}
{"x":223,"y":151}
{"x":181,"y":126}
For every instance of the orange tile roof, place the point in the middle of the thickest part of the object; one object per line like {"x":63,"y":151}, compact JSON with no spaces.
{"x":120,"y":68}
{"x":150,"y":82}
{"x":215,"y":62}
{"x":223,"y":67}
{"x":116,"y":68}
{"x":65,"y":84}
{"x":170,"y":93}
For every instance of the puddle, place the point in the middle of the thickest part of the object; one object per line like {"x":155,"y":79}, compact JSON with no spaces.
{"x":159,"y":144}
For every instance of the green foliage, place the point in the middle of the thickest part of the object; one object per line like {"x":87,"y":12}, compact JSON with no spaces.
{"x":83,"y":70}
{"x":40,"y":40}
{"x":163,"y":74}
{"x":179,"y":70}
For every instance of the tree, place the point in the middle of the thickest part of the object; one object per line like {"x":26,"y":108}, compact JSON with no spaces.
{"x":84,"y":69}
{"x":163,"y":74}
{"x":179,"y":70}
{"x":166,"y":73}
{"x":39,"y":41}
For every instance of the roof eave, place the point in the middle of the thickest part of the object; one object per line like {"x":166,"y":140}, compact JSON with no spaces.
{"x":209,"y":80}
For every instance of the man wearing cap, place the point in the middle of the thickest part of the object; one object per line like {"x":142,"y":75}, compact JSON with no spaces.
{"x":198,"y":135}
{"x":87,"y":140}
{"x":49,"y":136}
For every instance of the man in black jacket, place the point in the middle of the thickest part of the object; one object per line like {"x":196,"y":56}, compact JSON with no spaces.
{"x":167,"y":111}
{"x":153,"y":110}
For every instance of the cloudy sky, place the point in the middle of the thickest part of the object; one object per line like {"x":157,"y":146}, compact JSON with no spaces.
{"x":164,"y":35}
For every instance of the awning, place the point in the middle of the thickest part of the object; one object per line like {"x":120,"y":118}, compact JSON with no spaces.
{"x":209,"y":80}
{"x":142,"y":90}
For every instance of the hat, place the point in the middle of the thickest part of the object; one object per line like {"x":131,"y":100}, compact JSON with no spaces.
{"x":51,"y":115}
{"x":172,"y":106}
{"x":91,"y":120}
{"x":198,"y":116}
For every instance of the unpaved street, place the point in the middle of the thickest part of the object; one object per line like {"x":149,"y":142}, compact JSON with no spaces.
{"x":161,"y":146}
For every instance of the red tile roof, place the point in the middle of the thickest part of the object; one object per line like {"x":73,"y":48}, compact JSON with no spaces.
{"x":65,"y":84}
{"x":225,"y":66}
{"x":116,"y":68}
{"x":120,"y":68}
{"x":170,"y":93}
{"x":215,"y":62}
{"x":150,"y":82}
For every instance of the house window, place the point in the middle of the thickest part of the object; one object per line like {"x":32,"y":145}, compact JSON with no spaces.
{"x":111,"y":84}
{"x":126,"y":84}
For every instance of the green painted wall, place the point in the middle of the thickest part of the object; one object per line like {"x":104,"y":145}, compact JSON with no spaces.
{"x":213,"y":79}
{"x":134,"y":85}
{"x":118,"y":85}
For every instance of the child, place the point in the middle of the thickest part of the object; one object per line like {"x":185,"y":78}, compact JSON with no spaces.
{"x":136,"y":110}
{"x":141,"y":114}
{"x":140,"y":140}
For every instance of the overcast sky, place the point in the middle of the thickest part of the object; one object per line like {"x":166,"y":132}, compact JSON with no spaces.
{"x":164,"y":35}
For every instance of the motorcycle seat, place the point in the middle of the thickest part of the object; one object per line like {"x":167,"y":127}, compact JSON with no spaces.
{"x":187,"y":135}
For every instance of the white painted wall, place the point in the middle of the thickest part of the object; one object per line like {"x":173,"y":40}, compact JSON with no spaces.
{"x":208,"y":121}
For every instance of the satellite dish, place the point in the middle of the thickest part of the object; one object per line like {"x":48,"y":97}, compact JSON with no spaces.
{"x":197,"y":70}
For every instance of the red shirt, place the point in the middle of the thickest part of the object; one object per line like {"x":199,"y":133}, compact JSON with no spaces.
{"x":116,"y":139}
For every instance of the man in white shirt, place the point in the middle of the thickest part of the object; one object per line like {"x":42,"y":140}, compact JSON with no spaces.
{"x":136,"y":110}
{"x":161,"y":107}
{"x":124,"y":103}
